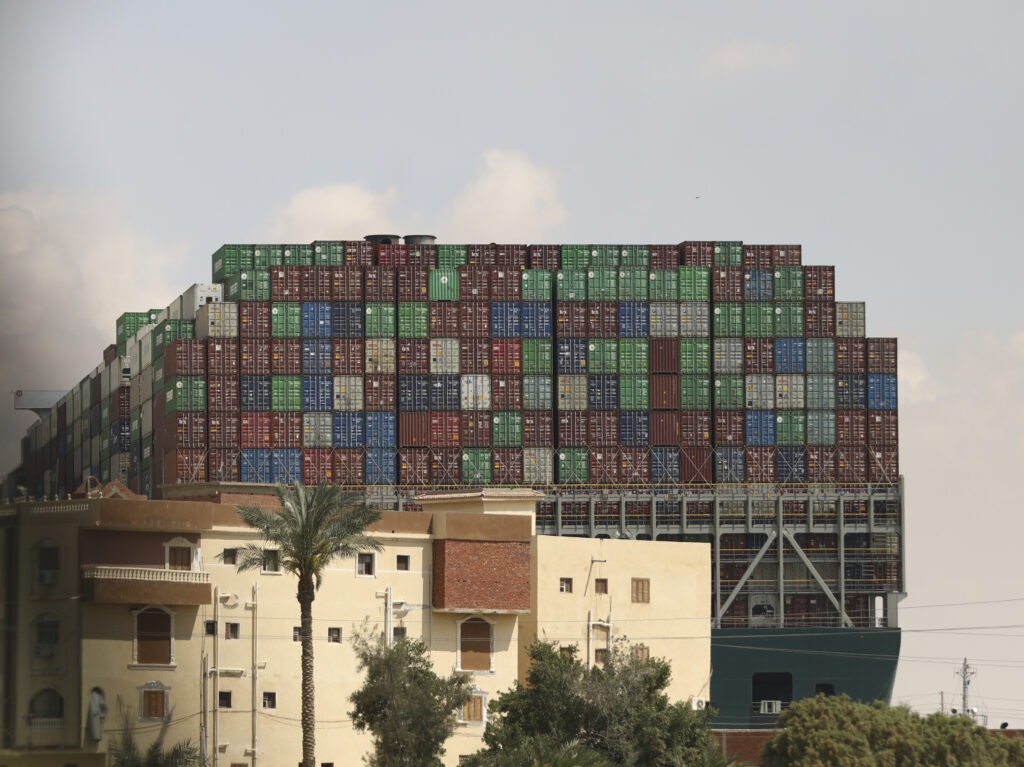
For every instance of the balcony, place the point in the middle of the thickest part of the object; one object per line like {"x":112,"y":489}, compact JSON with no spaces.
{"x":104,"y":584}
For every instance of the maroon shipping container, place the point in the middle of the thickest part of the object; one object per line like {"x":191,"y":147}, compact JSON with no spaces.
{"x":602,"y":427}
{"x":123,"y":408}
{"x":256,"y":429}
{"x":759,"y":355}
{"x":475,"y":428}
{"x":571,"y":320}
{"x":392,"y":254}
{"x":695,"y":428}
{"x":183,"y":466}
{"x":222,"y":356}
{"x":286,"y":429}
{"x":349,"y":468}
{"x":285,"y":356}
{"x":729,"y":428}
{"x":317,"y":465}
{"x":883,"y":464}
{"x":254,"y":319}
{"x":379,"y":392}
{"x":537,"y":428}
{"x":664,"y":428}
{"x":474,"y":319}
{"x":697,"y":465}
{"x":787,"y":255}
{"x":185,"y":357}
{"x":698,"y":253}
{"x":444,"y":319}
{"x":183,"y":430}
{"x":412,"y":283}
{"x":545,"y":257}
{"x":347,"y":356}
{"x":508,"y":466}
{"x":634,"y":465}
{"x":506,"y":284}
{"x":497,"y":255}
{"x":883,"y":428}
{"x":757,"y":257}
{"x":346,"y":283}
{"x":223,"y":429}
{"x":851,"y":427}
{"x":474,"y":283}
{"x":446,"y":466}
{"x":254,"y":357}
{"x":360,"y":253}
{"x":760,"y":464}
{"x":379,"y":284}
{"x":414,"y":466}
{"x":820,"y":319}
{"x":222,"y":394}
{"x":222,"y":465}
{"x":851,"y":355}
{"x":664,"y":256}
{"x":414,"y":356}
{"x":474,"y":355}
{"x":572,"y":428}
{"x":851,"y":464}
{"x":323,"y":283}
{"x":286,"y":283}
{"x":604,"y":465}
{"x":881,"y":355}
{"x":727,"y":283}
{"x":414,"y":429}
{"x":820,"y":283}
{"x":423,"y":255}
{"x":663,"y":355}
{"x":603,"y":319}
{"x":821,"y":464}
{"x":507,"y":355}
{"x":664,"y":392}
{"x":444,"y":429}
{"x":95,"y":390}
{"x":307,"y":284}
{"x":507,"y":392}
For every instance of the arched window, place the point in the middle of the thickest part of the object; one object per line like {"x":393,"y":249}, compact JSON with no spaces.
{"x":47,"y":704}
{"x":475,"y":645}
{"x":179,"y":554}
{"x":154,"y":637}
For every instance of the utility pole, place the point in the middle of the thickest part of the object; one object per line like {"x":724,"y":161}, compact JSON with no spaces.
{"x":965,"y":673}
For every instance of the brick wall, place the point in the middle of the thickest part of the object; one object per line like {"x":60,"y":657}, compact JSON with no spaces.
{"x":481,"y":575}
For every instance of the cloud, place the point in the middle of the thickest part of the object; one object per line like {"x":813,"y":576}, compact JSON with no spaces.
{"x":916,"y":384}
{"x":737,"y":57}
{"x":513,"y":199}
{"x":333,"y":212}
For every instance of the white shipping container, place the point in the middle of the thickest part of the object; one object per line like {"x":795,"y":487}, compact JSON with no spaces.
{"x":76,"y":405}
{"x":147,"y":384}
{"x":217,"y":320}
{"x":146,"y":350}
{"x":538,"y":466}
{"x":476,"y":392}
{"x":572,"y":393}
{"x":380,"y":356}
{"x":316,"y":429}
{"x":665,"y":320}
{"x":850,"y":319}
{"x":728,"y":355}
{"x":789,"y":392}
{"x":694,"y":319}
{"x":760,"y":392}
{"x":348,"y":392}
{"x":821,"y":392}
{"x":135,"y":392}
{"x":444,"y":356}
{"x":147,"y":417}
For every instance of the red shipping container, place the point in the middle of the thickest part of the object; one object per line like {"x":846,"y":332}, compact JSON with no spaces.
{"x":545,"y":257}
{"x":474,"y":355}
{"x":254,"y":357}
{"x":571,"y":320}
{"x":851,"y":355}
{"x":508,"y":466}
{"x":254,"y":319}
{"x":256,"y":429}
{"x":424,"y":255}
{"x":444,"y":429}
{"x":414,"y":429}
{"x":507,"y":355}
{"x":507,"y":392}
{"x":346,"y":283}
{"x":222,"y":394}
{"x":851,"y":427}
{"x":445,"y":466}
{"x":851,"y":464}
{"x":317,"y":465}
{"x":412,"y":283}
{"x":604,"y":465}
{"x":222,"y":356}
{"x":474,"y":319}
{"x":820,"y":283}
{"x":695,"y":428}
{"x":665,"y":257}
{"x":698,"y":254}
{"x":223,"y":429}
{"x":414,"y":356}
{"x":820,"y":319}
{"x":414,"y":466}
{"x":307,"y":284}
{"x":787,"y":255}
{"x":572,"y":428}
{"x":322,"y":288}
{"x":379,"y":392}
{"x":286,"y":430}
{"x":392,"y":254}
{"x":664,"y":392}
{"x":506,"y":284}
{"x":360,"y":253}
{"x":347,"y":356}
{"x":379,"y":284}
{"x":883,"y":428}
{"x":729,"y":428}
{"x":603,"y":319}
{"x":883,"y":465}
{"x":727,"y":283}
{"x":538,"y":428}
{"x":759,"y":355}
{"x":124,"y":405}
{"x":222,"y":465}
{"x":664,"y":428}
{"x":444,"y":319}
{"x":475,"y":428}
{"x":821,"y":464}
{"x":349,"y":467}
{"x":760,"y":464}
{"x":602,"y":427}
{"x":663,"y":355}
{"x":286,"y":283}
{"x":634,"y":466}
{"x":757,"y":257}
{"x":183,"y":430}
{"x":285,"y":356}
{"x":495,"y":255}
{"x":696,"y":465}
{"x":881,"y":355}
{"x":185,"y":357}
{"x":474,"y":283}
{"x":184,"y":466}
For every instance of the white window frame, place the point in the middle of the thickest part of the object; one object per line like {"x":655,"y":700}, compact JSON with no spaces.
{"x":154,"y":686}
{"x":135,"y":637}
{"x":458,"y":641}
{"x":180,"y":543}
{"x":476,"y":692}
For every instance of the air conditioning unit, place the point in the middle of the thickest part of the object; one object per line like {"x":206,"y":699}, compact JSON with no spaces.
{"x":47,"y":577}
{"x":771,"y":706}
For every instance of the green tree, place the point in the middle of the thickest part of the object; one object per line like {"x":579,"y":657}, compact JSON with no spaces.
{"x":312,"y":527}
{"x":125,"y":751}
{"x":410,"y":710}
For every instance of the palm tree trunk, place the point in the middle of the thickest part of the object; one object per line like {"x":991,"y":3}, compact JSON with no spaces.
{"x":305,"y":596}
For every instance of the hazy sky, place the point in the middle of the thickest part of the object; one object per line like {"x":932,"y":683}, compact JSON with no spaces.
{"x":135,"y":138}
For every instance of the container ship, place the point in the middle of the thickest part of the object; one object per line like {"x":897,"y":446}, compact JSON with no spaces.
{"x":708,"y":391}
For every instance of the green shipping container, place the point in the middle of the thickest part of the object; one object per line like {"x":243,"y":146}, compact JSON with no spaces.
{"x":285,"y":393}
{"x":664,"y":285}
{"x":635,"y":255}
{"x":603,"y":283}
{"x":759,"y":320}
{"x":451,"y":256}
{"x":789,"y":320}
{"x":791,"y":427}
{"x":251,"y":285}
{"x":476,"y":466}
{"x":728,"y":320}
{"x":571,"y":285}
{"x":694,"y":392}
{"x":300,"y":255}
{"x":694,"y":356}
{"x":413,"y":319}
{"x":538,"y":356}
{"x":729,"y":392}
{"x":232,"y":259}
{"x":444,"y":284}
{"x":130,"y":323}
{"x":694,"y":283}
{"x":605,"y":255}
{"x":633,"y":284}
{"x":537,"y":392}
{"x":266,"y":256}
{"x":380,"y":320}
{"x":634,"y":392}
{"x":575,"y":256}
{"x":821,"y":355}
{"x":633,"y":356}
{"x":538,"y":285}
{"x":821,"y":427}
{"x":507,"y":428}
{"x":185,"y":394}
{"x":789,"y":283}
{"x":728,"y":254}
{"x":603,"y":355}
{"x":171,"y":330}
{"x":573,"y":465}
{"x":286,"y":319}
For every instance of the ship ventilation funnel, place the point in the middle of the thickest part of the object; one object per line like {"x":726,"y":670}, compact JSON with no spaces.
{"x":383,"y":239}
{"x":420,"y":239}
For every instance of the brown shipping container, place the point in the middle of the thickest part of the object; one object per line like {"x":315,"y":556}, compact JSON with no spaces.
{"x":881,"y":355}
{"x":412,"y":283}
{"x":347,"y":356}
{"x":572,"y":428}
{"x":444,"y":319}
{"x":851,"y":464}
{"x":506,"y":284}
{"x":286,"y":429}
{"x":664,"y":428}
{"x":474,"y":319}
{"x":360,"y":253}
{"x":508,"y":466}
{"x":727,"y":283}
{"x":285,"y":356}
{"x":222,"y":356}
{"x":256,"y":430}
{"x":787,"y":255}
{"x":185,"y":357}
{"x":184,"y":466}
{"x":349,"y":467}
{"x":851,"y":427}
{"x":665,"y":257}
{"x":254,"y":357}
{"x":883,"y":428}
{"x":307,"y":284}
{"x":474,"y":283}
{"x":317,"y":465}
{"x":286,"y":283}
{"x":604,"y":465}
{"x":757,"y":257}
{"x":820,"y":283}
{"x":698,"y":253}
{"x":634,"y":466}
{"x":665,"y":392}
{"x":379,"y":392}
{"x":695,"y":428}
{"x":821,"y":464}
{"x":392,"y":254}
{"x":729,"y":428}
{"x":474,"y":355}
{"x":222,"y":465}
{"x":760,"y":464}
{"x":507,"y":355}
{"x":222,"y":394}
{"x":820,"y":319}
{"x":507,"y":392}
{"x":414,"y":466}
{"x":851,"y":355}
{"x":254,"y":319}
{"x":759,"y":355}
{"x":697,"y":465}
{"x":663,"y":355}
{"x":602,"y":427}
{"x":424,"y":255}
{"x":414,"y":429}
{"x":571,"y":320}
{"x":445,"y":466}
{"x":346,"y":283}
{"x":603,"y":319}
{"x":444,"y":429}
{"x":497,"y":255}
{"x":414,"y":356}
{"x":379,"y":284}
{"x":183,"y":430}
{"x":223,"y":430}
{"x":545,"y":257}
{"x":475,"y":428}
{"x":537,"y":428}
{"x":883,"y":465}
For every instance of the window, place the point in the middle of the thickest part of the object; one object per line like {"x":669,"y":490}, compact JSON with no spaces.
{"x":364,"y":564}
{"x":600,"y":585}
{"x":565,"y":585}
{"x":229,"y":556}
{"x":49,"y":565}
{"x":334,"y":634}
{"x":601,"y":656}
{"x":641,"y":652}
{"x":269,"y":700}
{"x":641,"y":590}
{"x":567,"y":652}
{"x":153,"y":701}
{"x":211,"y":628}
{"x":224,"y":699}
{"x":398,"y":633}
{"x":179,"y":558}
{"x":271,"y":562}
{"x":47,"y":704}
{"x":231,"y":630}
{"x":475,"y":645}
{"x":153,"y":637}
{"x":474,"y":709}
{"x":296,"y":633}
{"x":402,"y":562}
{"x":47,"y":638}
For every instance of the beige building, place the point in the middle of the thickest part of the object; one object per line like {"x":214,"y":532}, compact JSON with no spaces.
{"x":119,"y":610}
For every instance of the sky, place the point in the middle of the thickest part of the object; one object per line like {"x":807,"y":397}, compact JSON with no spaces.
{"x":136,"y":138}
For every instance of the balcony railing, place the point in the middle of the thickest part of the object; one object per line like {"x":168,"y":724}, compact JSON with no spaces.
{"x":144,"y":574}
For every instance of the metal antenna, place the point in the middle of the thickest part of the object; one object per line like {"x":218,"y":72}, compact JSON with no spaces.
{"x":965,"y":673}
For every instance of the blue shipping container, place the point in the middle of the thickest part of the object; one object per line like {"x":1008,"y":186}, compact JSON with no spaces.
{"x":851,"y":392}
{"x":603,"y":392}
{"x":791,"y":464}
{"x":506,"y":319}
{"x":730,"y":464}
{"x":790,"y":355}
{"x":445,"y":392}
{"x":286,"y":465}
{"x":572,"y":356}
{"x":413,"y":392}
{"x":254,"y":465}
{"x":760,"y":428}
{"x":316,"y":356}
{"x":635,"y":428}
{"x":347,"y":429}
{"x":381,"y":429}
{"x":347,"y":319}
{"x":317,"y":393}
{"x":254,"y":393}
{"x":380,"y":466}
{"x":536,"y":320}
{"x":758,"y":285}
{"x":665,"y":466}
{"x":634,"y":319}
{"x":316,"y":319}
{"x":882,"y":391}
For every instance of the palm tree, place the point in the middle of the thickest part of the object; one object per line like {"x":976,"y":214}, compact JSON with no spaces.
{"x":314,"y":526}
